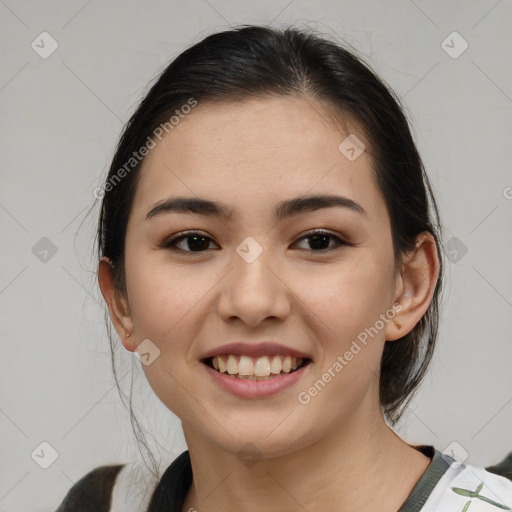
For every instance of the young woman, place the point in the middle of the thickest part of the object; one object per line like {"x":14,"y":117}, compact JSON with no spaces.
{"x":269,"y":246}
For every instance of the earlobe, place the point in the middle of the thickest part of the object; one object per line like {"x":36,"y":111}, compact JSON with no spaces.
{"x":117,"y":304}
{"x":416,"y":285}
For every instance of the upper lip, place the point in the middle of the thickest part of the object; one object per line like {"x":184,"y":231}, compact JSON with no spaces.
{"x":264,"y":348}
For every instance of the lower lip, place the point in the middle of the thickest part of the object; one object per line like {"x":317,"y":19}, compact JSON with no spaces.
{"x":250,"y":388}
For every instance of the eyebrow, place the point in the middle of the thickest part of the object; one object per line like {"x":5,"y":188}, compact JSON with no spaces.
{"x":283,"y":210}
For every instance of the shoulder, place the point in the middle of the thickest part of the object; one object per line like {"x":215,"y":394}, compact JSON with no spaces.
{"x":466,"y":485}
{"x":114,"y":488}
{"x":129,"y":487}
{"x":504,"y":468}
{"x":93,"y":491}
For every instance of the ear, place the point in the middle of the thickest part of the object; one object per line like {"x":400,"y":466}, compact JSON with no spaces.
{"x":117,"y":304}
{"x":415,"y":285}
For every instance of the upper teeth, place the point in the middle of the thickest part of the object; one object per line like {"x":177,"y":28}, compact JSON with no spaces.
{"x":259,"y":366}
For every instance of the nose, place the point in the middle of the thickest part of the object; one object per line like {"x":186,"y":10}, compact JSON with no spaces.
{"x":254,"y":291}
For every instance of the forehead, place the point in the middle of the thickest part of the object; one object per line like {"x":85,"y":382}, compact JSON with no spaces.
{"x":246,"y":153}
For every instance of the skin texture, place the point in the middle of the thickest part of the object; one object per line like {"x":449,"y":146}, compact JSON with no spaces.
{"x":336,"y":452}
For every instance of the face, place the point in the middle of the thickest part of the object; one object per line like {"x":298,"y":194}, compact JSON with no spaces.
{"x":250,"y":276}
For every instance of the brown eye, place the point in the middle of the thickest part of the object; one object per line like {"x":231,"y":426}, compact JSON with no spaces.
{"x":319,"y":241}
{"x":192,"y":241}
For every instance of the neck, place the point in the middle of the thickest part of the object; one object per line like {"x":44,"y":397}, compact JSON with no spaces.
{"x":351,"y":468}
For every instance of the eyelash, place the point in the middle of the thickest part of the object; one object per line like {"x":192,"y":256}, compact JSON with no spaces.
{"x":171,"y":242}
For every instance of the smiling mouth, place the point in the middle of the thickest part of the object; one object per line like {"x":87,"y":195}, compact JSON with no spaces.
{"x":256,"y":368}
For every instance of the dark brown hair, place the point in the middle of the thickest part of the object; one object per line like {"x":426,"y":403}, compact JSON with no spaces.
{"x":257,"y":61}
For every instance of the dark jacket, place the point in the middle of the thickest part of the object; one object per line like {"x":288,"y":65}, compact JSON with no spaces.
{"x":93,"y":492}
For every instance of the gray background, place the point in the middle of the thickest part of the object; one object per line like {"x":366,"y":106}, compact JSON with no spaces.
{"x":61,"y":117}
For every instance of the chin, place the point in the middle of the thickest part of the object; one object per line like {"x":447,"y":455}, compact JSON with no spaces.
{"x":254,"y":436}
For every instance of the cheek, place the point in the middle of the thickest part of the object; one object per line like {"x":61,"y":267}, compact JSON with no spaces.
{"x":166,"y":304}
{"x":350,"y":297}
{"x":164,"y":298}
{"x":346,"y":306}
